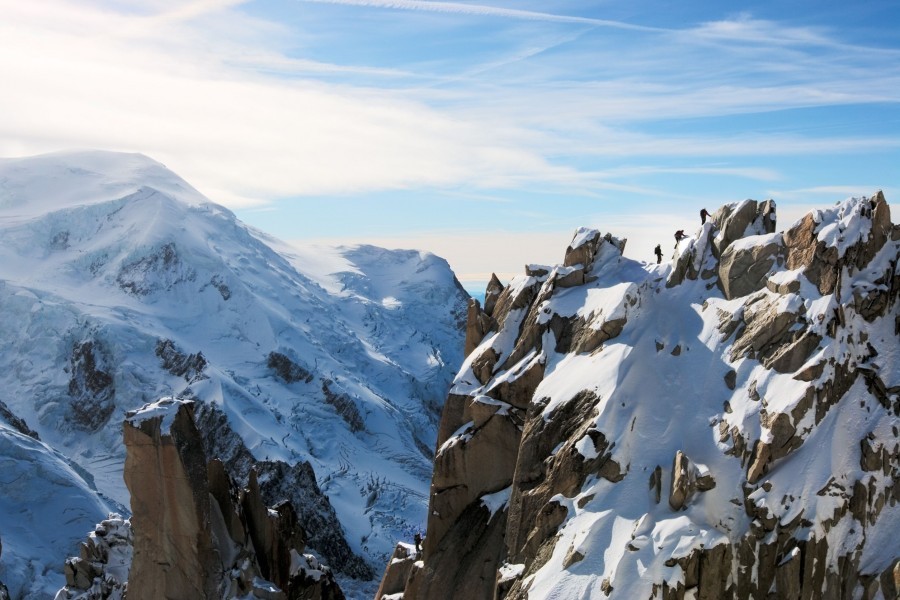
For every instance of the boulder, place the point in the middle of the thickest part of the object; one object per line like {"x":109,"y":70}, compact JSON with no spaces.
{"x":582,"y":248}
{"x":741,"y":219}
{"x":743,"y":268}
{"x":687,"y":479}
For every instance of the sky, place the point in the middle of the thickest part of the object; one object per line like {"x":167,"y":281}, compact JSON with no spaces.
{"x":486,"y":133}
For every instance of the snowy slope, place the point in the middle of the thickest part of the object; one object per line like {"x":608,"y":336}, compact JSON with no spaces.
{"x":654,"y":437}
{"x":116,"y":275}
{"x":46,"y":507}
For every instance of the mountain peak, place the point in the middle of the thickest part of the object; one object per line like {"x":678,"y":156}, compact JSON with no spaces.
{"x":36,"y":185}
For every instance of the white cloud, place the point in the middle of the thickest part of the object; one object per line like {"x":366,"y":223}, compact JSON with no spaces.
{"x":160,"y":92}
{"x":214,"y":94}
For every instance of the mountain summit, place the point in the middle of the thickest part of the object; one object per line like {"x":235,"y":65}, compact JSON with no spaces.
{"x":322,"y":368}
{"x":723,"y":425}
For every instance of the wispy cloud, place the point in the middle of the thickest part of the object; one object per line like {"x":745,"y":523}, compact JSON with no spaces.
{"x":761,"y":174}
{"x":555,"y":102}
{"x":830,"y":193}
{"x":481,"y":10}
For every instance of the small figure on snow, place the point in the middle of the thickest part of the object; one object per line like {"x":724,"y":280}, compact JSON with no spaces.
{"x":418,"y":541}
{"x":679,"y":235}
{"x":658,"y":252}
{"x":703,"y":214}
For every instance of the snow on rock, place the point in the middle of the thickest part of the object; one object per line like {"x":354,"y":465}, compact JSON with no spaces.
{"x":120,"y":285}
{"x":163,"y":409}
{"x":102,"y":566}
{"x":710,"y":445}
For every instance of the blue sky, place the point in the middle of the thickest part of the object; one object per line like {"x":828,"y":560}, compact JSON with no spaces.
{"x":484,"y":132}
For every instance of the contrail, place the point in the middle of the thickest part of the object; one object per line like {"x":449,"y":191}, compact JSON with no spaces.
{"x":488,"y":11}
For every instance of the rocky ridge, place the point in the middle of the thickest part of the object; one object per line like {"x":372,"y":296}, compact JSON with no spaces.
{"x":193,"y":533}
{"x":721,"y":426}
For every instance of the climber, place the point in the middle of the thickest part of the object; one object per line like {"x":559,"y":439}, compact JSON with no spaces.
{"x":658,"y":252}
{"x":679,"y":235}
{"x":703,"y":215}
{"x":418,"y":540}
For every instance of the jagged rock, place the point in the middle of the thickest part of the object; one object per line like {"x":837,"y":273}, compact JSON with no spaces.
{"x":492,"y":294}
{"x":478,"y":460}
{"x":581,"y":450}
{"x":742,"y":219}
{"x":656,"y":484}
{"x":196,"y":540}
{"x":274,"y":532}
{"x":538,"y":271}
{"x":789,"y":358}
{"x":287,"y":369}
{"x":681,"y":486}
{"x":823,"y":263}
{"x":518,"y":391}
{"x":890,"y":580}
{"x":277,"y":481}
{"x":101,"y":569}
{"x":567,"y":277}
{"x":731,"y":379}
{"x":91,"y":389}
{"x":397,"y":571}
{"x":743,"y":268}
{"x":572,"y":556}
{"x":483,"y":365}
{"x":687,"y":479}
{"x":576,"y":334}
{"x":697,"y":256}
{"x":517,"y":297}
{"x":583,"y":247}
{"x":16,"y":423}
{"x":159,"y":269}
{"x":188,"y":366}
{"x":464,"y":563}
{"x":478,"y":323}
{"x":344,"y":406}
{"x":165,"y":471}
{"x":769,"y":325}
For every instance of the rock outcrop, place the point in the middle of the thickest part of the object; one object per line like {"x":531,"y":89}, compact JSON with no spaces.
{"x":725,"y":430}
{"x":705,"y":255}
{"x":165,"y":471}
{"x":398,"y":570}
{"x":193,"y":532}
{"x":478,"y":323}
{"x":280,"y":481}
{"x":101,"y":568}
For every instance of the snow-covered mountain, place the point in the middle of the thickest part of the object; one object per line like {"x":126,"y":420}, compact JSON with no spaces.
{"x":120,"y":284}
{"x":723,"y":425}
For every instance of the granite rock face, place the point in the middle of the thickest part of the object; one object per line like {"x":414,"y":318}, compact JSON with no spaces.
{"x":724,"y":426}
{"x":194,"y":533}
